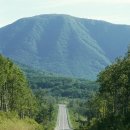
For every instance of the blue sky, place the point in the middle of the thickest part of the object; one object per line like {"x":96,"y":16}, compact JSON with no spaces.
{"x":115,"y":11}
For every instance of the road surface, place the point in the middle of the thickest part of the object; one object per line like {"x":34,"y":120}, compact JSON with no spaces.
{"x":62,"y":121}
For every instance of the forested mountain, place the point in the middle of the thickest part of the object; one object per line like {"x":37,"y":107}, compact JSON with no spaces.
{"x":63,"y":44}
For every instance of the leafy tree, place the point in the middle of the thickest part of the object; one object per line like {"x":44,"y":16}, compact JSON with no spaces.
{"x":15,"y":94}
{"x":113,"y":97}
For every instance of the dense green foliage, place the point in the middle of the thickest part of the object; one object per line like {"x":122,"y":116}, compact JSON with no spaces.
{"x":109,"y":109}
{"x":47,"y":109}
{"x":63,"y":44}
{"x":57,"y":86}
{"x":77,"y":112}
{"x":17,"y":97}
{"x":15,"y":94}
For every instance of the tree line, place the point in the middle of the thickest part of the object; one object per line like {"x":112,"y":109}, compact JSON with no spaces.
{"x":17,"y":96}
{"x":109,"y":109}
{"x":62,"y":86}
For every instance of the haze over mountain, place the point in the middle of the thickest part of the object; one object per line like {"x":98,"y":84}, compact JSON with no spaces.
{"x":64,"y":44}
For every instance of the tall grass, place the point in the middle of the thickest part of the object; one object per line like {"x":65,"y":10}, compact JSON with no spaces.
{"x":10,"y":121}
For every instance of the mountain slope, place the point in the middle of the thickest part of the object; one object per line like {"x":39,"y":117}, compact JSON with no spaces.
{"x":112,"y":38}
{"x":64,"y":44}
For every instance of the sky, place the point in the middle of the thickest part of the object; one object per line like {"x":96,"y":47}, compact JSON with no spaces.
{"x":115,"y":11}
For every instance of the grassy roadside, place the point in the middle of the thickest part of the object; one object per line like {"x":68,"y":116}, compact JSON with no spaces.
{"x":55,"y":114}
{"x":69,"y":119}
{"x":10,"y":121}
{"x":73,"y":119}
{"x":50,"y":124}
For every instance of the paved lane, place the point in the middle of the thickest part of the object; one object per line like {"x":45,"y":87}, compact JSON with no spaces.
{"x":62,"y":121}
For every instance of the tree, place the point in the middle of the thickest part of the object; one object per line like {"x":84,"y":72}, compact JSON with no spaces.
{"x":15,"y":94}
{"x":113,"y":99}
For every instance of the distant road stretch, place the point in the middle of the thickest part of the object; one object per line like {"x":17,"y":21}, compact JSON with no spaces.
{"x":62,"y":121}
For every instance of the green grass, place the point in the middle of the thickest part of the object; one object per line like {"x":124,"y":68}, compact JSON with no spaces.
{"x":72,"y":119}
{"x":69,"y":119}
{"x":50,"y":125}
{"x":10,"y":121}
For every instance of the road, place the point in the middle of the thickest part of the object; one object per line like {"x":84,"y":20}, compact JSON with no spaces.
{"x":62,"y":121}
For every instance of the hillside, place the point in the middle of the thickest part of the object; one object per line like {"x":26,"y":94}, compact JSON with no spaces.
{"x":64,"y":44}
{"x":57,"y":85}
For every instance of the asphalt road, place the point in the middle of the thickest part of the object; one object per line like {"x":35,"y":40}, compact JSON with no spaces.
{"x":62,"y":121}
